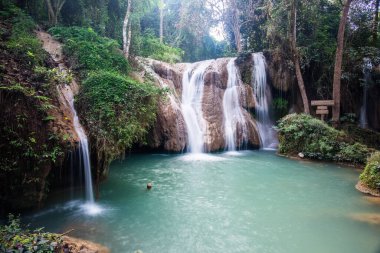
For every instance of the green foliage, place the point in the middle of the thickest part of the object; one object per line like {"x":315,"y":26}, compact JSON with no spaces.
{"x":87,"y":51}
{"x":151,"y":47}
{"x":29,"y":146}
{"x":23,"y":43}
{"x":118,"y":111}
{"x":348,"y":118}
{"x":280,"y":106}
{"x":317,"y":140}
{"x":14,"y":239}
{"x":371,"y":174}
{"x":356,"y":153}
{"x":366,"y":136}
{"x":52,"y":75}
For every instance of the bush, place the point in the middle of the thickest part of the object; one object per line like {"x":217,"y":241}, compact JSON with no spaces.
{"x":371,"y":174}
{"x":317,"y":140}
{"x":152,"y":48}
{"x":23,"y":42}
{"x":118,"y":111}
{"x":14,"y":238}
{"x":87,"y":51}
{"x":356,"y":153}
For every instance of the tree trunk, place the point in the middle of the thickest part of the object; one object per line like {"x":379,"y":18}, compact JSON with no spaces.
{"x":129,"y":40}
{"x":126,"y":24}
{"x":161,"y":7}
{"x":54,"y":10}
{"x":296,"y":60}
{"x":236,"y":26}
{"x":375,"y":24}
{"x":50,"y":12}
{"x":338,"y":63}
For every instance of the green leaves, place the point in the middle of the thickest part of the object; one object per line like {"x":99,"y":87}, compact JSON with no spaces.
{"x":117,"y":110}
{"x":151,"y":47}
{"x":371,"y":174}
{"x":14,"y":238}
{"x":317,"y":140}
{"x":87,"y":51}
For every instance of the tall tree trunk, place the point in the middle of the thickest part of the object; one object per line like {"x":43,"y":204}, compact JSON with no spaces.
{"x":129,"y":40}
{"x":236,"y":25}
{"x":338,"y":63}
{"x":375,"y":24}
{"x":50,"y":11}
{"x":161,"y":7}
{"x":126,"y":33}
{"x":296,"y":60}
{"x":54,"y":10}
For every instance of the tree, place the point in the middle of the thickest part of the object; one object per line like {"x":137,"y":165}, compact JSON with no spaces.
{"x":293,"y":43}
{"x":235,"y":22}
{"x":127,"y":33}
{"x":338,"y":62}
{"x":161,"y":6}
{"x":375,"y":23}
{"x":54,"y":9}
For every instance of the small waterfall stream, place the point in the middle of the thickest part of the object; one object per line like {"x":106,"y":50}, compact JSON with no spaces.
{"x":263,"y":94}
{"x":84,"y":150}
{"x":367,"y":68}
{"x":233,"y":115}
{"x":192,"y":95}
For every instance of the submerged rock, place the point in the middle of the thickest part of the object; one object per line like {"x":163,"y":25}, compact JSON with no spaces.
{"x":371,"y":218}
{"x":76,"y":245}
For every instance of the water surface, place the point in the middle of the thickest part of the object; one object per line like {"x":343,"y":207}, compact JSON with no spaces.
{"x":239,"y":202}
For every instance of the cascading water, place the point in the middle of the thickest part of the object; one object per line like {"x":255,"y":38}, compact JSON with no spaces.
{"x":267,"y":134}
{"x":192,"y":95}
{"x":85,"y":156}
{"x":233,"y":115}
{"x":54,"y":48}
{"x":367,"y":68}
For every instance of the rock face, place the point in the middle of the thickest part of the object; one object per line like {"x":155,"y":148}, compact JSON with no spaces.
{"x":170,"y":131}
{"x":65,"y":92}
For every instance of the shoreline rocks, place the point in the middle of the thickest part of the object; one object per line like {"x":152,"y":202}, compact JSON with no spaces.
{"x":366,"y":190}
{"x":76,"y":245}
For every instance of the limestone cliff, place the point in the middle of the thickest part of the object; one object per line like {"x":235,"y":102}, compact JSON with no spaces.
{"x":170,"y":131}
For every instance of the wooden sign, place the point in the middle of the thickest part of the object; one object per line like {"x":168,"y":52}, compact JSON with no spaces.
{"x":322,"y":107}
{"x":322,"y":102}
{"x":324,"y":112}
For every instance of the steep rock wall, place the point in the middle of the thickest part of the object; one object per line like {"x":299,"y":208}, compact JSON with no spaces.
{"x":170,"y":131}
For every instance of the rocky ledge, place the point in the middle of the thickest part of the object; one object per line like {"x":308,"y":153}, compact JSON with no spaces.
{"x":75,"y":245}
{"x":365,"y":189}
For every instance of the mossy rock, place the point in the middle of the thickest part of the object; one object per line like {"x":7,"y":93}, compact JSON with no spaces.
{"x":317,"y":140}
{"x":371,"y":174}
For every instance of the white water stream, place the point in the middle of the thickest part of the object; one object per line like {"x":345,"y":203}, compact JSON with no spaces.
{"x":192,"y":96}
{"x":54,"y":48}
{"x":268,"y":136}
{"x":83,"y":145}
{"x":233,"y":115}
{"x":367,"y":68}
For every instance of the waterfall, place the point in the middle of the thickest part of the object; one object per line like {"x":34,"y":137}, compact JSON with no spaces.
{"x":233,"y":115}
{"x":83,"y":145}
{"x":263,"y":94}
{"x":192,"y":96}
{"x":367,"y":68}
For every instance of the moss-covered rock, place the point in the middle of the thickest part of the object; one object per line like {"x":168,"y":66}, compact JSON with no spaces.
{"x":317,"y":140}
{"x":371,"y":174}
